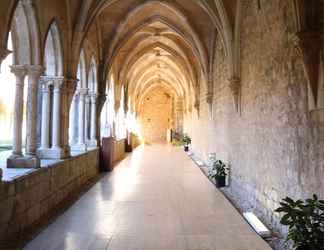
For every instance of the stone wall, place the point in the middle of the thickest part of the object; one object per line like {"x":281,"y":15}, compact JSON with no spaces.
{"x":274,"y":146}
{"x":28,"y":198}
{"x":155,"y":115}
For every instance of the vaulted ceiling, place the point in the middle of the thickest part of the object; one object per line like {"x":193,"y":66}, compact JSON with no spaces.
{"x":158,"y":43}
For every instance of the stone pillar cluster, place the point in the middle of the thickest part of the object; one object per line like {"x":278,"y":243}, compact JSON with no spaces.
{"x":51,"y":144}
{"x":57,"y":95}
{"x":84,"y":114}
{"x":30,"y":159}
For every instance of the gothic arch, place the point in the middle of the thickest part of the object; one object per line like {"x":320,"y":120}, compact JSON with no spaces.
{"x":53,"y":54}
{"x":25,"y":35}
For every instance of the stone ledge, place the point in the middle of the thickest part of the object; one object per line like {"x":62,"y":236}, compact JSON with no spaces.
{"x":23,"y":162}
{"x":25,"y":199}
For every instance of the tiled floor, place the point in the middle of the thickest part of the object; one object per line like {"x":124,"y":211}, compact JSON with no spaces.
{"x":156,"y":199}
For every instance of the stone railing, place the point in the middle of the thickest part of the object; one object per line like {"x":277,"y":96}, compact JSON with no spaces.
{"x":25,"y":200}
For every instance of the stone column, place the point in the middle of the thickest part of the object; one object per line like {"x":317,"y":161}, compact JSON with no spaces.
{"x":93,"y":123}
{"x":45,"y":123}
{"x":34,"y":73}
{"x":20,"y":74}
{"x":56,"y":122}
{"x":73,"y":131}
{"x":81,"y":145}
{"x":86,"y":119}
{"x":67,"y":91}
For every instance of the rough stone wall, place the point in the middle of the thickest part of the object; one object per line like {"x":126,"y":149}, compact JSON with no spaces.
{"x":155,"y":116}
{"x":274,"y":146}
{"x":27,"y":199}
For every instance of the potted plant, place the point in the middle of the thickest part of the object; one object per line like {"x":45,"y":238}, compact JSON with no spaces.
{"x":218,"y":173}
{"x":305,"y":220}
{"x":186,"y":141}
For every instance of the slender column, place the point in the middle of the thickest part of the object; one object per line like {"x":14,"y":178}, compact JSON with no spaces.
{"x":34,"y":73}
{"x":67,"y":93}
{"x":45,"y":114}
{"x":56,"y":121}
{"x":20,"y":74}
{"x":93,"y":125}
{"x":73,"y":134}
{"x":87,"y":114}
{"x":81,"y":122}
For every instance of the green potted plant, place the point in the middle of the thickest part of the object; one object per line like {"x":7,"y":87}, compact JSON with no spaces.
{"x":218,"y":173}
{"x":186,"y":141}
{"x":305,"y":220}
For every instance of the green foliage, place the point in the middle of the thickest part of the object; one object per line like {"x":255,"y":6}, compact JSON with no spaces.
{"x":186,"y":140}
{"x":218,"y":170}
{"x":305,"y":220}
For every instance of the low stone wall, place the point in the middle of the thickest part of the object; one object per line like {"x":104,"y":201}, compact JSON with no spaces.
{"x":119,"y":151}
{"x":25,"y":200}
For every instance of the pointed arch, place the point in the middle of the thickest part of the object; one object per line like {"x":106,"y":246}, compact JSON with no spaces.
{"x":25,"y":35}
{"x":53,"y":54}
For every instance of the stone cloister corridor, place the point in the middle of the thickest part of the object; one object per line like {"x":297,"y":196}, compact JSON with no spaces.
{"x":120,"y":86}
{"x":151,"y":201}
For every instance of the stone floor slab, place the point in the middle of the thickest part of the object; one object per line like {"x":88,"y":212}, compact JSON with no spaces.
{"x":156,"y":199}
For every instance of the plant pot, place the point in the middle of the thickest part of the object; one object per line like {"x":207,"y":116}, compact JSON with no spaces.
{"x":186,"y":148}
{"x":220,"y":182}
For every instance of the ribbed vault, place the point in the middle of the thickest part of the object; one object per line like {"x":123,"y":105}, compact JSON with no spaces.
{"x":155,"y":45}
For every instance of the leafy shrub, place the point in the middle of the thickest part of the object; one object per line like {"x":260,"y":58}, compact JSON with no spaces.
{"x":305,"y":220}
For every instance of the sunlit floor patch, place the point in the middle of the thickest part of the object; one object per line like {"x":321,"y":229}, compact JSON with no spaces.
{"x":156,"y":199}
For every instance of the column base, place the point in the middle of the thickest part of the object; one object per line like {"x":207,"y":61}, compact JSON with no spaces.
{"x":53,"y":153}
{"x":79,"y":147}
{"x":23,"y":162}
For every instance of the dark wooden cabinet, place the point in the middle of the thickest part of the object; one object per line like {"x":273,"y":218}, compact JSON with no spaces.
{"x":106,"y":161}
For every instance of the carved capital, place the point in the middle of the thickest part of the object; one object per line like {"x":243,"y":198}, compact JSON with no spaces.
{"x":19,"y":70}
{"x":308,"y":45}
{"x":235,"y":87}
{"x":34,"y":71}
{"x":58,"y":82}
